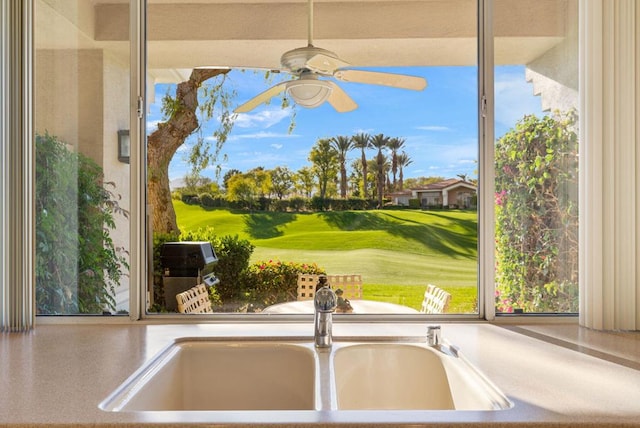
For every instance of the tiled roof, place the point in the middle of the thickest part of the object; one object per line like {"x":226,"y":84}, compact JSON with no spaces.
{"x":441,"y":185}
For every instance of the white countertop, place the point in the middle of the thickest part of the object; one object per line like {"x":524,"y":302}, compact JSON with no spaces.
{"x":59,"y":373}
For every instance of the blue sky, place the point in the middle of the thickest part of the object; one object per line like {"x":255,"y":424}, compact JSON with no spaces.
{"x":439,"y":124}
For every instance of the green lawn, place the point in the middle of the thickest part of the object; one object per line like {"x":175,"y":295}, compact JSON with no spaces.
{"x":398,"y":252}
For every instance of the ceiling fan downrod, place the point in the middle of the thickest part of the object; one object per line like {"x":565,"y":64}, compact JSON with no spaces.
{"x":310,"y":24}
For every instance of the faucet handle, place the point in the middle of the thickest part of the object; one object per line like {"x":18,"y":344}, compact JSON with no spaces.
{"x":434,"y":337}
{"x":325,"y":300}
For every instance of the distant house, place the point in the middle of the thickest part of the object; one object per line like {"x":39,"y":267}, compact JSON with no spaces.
{"x":451,"y":193}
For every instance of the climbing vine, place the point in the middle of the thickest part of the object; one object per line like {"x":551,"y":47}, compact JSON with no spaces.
{"x":537,"y":215}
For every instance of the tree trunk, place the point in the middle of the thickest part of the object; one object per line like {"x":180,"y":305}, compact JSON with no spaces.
{"x":380,"y":178}
{"x":163,"y":143}
{"x":364,"y":175}
{"x":343,"y":181}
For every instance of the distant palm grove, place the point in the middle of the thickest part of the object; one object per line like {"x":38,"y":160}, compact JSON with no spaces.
{"x":329,"y":182}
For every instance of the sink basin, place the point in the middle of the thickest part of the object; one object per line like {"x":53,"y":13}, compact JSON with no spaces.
{"x":276,"y":375}
{"x":192,"y":375}
{"x":404,"y":376}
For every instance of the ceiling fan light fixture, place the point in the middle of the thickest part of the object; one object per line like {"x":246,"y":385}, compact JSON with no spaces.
{"x":309,"y":93}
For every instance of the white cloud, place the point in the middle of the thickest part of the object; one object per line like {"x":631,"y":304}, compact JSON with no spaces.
{"x":250,"y":155}
{"x":443,"y":156}
{"x":184,"y":148}
{"x":363,"y":131}
{"x":433,"y":128}
{"x":152,"y":125}
{"x":263,"y":119}
{"x":276,"y":146}
{"x":260,"y":135}
{"x":514,"y":98}
{"x":467,"y":161}
{"x":246,"y":160}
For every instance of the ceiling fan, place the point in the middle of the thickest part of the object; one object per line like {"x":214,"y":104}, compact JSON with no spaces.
{"x":308,"y":64}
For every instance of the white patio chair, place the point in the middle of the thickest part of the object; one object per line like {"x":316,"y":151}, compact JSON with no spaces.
{"x":436,"y":300}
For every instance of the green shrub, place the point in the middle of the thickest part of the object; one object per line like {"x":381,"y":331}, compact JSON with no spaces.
{"x":358,"y":204}
{"x":78,"y":265}
{"x":319,"y":204}
{"x":274,"y":281}
{"x":280,"y":205}
{"x":338,"y":204}
{"x":206,"y":200}
{"x":214,"y":298}
{"x":190,"y":198}
{"x":206,"y":234}
{"x":264,"y":203}
{"x":233,"y":261}
{"x":298,"y":203}
{"x":537,"y":215}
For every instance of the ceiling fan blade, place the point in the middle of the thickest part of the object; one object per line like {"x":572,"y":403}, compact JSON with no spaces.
{"x":261,"y":98}
{"x":339,"y":99}
{"x":325,"y":64}
{"x":379,"y":78}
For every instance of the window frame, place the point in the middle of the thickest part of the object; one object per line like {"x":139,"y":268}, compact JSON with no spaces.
{"x":485,"y":275}
{"x":140,"y":260}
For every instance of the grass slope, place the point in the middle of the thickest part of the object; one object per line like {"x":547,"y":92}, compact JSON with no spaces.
{"x":398,"y":252}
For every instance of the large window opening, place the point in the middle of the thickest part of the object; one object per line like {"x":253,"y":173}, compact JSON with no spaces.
{"x":536,"y":157}
{"x":81,"y":149}
{"x":385,"y":192}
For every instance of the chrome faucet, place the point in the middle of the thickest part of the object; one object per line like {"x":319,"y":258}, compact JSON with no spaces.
{"x":325,"y":303}
{"x":434,"y":337}
{"x":434,"y":340}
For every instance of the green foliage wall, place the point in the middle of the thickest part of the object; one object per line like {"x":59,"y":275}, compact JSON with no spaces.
{"x":537,"y":215}
{"x":78,"y":265}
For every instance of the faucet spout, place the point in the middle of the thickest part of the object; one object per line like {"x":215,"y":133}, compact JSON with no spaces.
{"x":325,"y":303}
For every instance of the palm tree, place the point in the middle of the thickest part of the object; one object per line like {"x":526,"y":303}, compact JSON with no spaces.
{"x":362,"y":141}
{"x":342,"y":145}
{"x":381,"y":171}
{"x":380,"y":142}
{"x":403,"y":160}
{"x":394,"y":145}
{"x":355,"y":178}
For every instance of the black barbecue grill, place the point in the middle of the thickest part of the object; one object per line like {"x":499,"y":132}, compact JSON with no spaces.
{"x":184,"y":265}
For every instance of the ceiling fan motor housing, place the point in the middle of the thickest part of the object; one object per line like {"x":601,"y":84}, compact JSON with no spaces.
{"x":296,"y":59}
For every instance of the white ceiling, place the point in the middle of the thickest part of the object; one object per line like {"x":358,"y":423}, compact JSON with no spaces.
{"x":187,"y":33}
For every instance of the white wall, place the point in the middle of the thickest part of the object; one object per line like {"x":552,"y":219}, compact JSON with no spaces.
{"x":116,"y":117}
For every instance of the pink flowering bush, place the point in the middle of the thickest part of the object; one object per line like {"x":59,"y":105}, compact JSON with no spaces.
{"x":273,"y":281}
{"x":503,"y":304}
